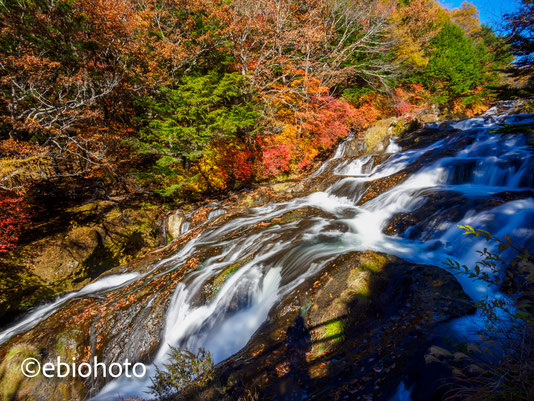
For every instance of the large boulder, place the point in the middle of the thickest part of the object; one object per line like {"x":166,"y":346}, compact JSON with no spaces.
{"x":75,"y":247}
{"x":350,"y":332}
{"x":378,"y":134}
{"x":174,"y":224}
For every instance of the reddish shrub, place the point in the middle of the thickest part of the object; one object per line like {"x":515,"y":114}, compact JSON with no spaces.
{"x":14,"y":217}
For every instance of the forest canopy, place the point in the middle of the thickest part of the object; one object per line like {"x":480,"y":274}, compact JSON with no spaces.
{"x":191,"y":97}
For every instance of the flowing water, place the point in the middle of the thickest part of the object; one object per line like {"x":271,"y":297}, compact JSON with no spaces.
{"x":41,"y":313}
{"x":470,"y":164}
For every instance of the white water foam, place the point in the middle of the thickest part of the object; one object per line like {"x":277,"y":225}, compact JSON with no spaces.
{"x":499,"y":164}
{"x":36,"y":316}
{"x":281,"y":255}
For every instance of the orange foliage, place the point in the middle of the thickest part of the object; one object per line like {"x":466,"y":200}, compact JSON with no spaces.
{"x":410,"y":98}
{"x":310,"y":121}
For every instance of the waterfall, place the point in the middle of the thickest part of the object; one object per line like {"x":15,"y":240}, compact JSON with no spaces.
{"x":41,"y":313}
{"x":497,"y":163}
{"x":267,"y":260}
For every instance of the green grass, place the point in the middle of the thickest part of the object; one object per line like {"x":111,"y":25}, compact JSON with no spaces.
{"x":335,"y":330}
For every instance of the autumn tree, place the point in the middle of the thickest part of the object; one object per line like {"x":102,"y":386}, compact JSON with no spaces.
{"x":210,"y":94}
{"x":270,"y":40}
{"x":61,"y":75}
{"x":521,"y":39}
{"x":467,"y":17}
{"x":290,"y":55}
{"x":186,"y":119}
{"x":414,"y":25}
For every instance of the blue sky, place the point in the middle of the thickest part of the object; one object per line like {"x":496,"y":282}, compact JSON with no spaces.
{"x":490,"y":10}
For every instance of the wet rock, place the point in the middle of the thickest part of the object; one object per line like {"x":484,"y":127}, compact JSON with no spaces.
{"x":507,"y":196}
{"x":427,"y":217}
{"x":508,"y":107}
{"x":381,"y":185}
{"x":365,"y":316}
{"x":375,"y":161}
{"x":434,"y":212}
{"x":174,"y":224}
{"x":78,"y":245}
{"x":355,"y":148}
{"x":463,"y":171}
{"x":423,"y":137}
{"x":301,"y":213}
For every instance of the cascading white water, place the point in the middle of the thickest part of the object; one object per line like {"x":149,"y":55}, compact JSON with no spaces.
{"x":498,"y":163}
{"x":278,"y":257}
{"x":41,"y":313}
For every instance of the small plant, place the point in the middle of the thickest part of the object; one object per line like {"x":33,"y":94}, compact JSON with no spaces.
{"x":184,"y":371}
{"x":249,"y":395}
{"x":517,"y":280}
{"x":509,"y":372}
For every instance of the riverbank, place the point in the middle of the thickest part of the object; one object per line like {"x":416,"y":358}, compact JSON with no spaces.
{"x":239,"y":257}
{"x":74,"y":238}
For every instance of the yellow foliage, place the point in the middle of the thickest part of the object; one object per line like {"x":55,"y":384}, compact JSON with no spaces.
{"x":470,"y":110}
{"x":466,"y":17}
{"x":209,"y":167}
{"x":414,"y":26}
{"x":411,"y":52}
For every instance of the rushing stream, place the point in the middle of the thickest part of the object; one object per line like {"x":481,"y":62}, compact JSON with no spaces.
{"x":470,"y":164}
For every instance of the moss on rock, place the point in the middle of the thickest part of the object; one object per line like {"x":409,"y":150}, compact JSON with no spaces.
{"x":13,"y":384}
{"x":86,"y":241}
{"x":373,"y":261}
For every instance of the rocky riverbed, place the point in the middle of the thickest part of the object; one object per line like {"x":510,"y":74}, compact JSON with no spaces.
{"x":324,"y":287}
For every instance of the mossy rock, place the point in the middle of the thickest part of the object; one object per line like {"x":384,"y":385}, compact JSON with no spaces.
{"x":302,"y":213}
{"x":282,"y":186}
{"x":213,"y":287}
{"x":335,"y":329}
{"x":379,"y":131}
{"x":89,"y":240}
{"x":358,"y":283}
{"x":223,"y":276}
{"x":13,"y":384}
{"x":347,"y":290}
{"x":373,"y":261}
{"x":20,"y":289}
{"x":67,"y":344}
